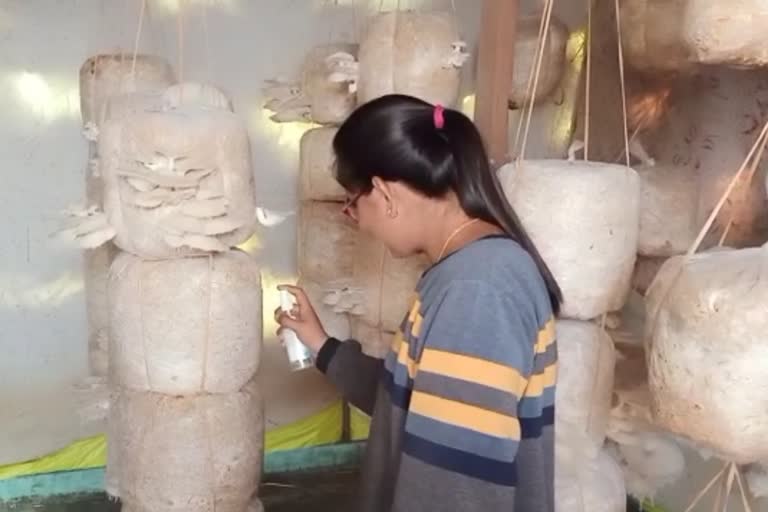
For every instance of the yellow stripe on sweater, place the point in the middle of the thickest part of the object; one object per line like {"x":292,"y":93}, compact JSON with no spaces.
{"x":473,"y":369}
{"x":464,"y":415}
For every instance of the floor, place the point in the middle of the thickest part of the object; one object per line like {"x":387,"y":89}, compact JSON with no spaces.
{"x":292,"y":493}
{"x":317,"y":492}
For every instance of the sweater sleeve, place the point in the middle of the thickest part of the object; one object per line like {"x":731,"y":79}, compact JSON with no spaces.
{"x":355,"y":374}
{"x":478,"y":396}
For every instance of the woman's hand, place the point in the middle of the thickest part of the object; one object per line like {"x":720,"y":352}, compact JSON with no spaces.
{"x":303,"y":320}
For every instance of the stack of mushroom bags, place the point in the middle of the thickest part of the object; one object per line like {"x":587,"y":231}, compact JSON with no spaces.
{"x":348,"y":274}
{"x":171,"y":193}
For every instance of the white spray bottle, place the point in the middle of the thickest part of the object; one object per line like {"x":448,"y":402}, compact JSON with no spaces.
{"x":299,"y":356}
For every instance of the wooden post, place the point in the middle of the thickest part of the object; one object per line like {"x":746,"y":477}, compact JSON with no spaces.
{"x":498,"y":32}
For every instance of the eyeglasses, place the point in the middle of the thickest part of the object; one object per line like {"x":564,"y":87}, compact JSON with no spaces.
{"x":350,"y":206}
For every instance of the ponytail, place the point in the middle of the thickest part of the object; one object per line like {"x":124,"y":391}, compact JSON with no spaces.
{"x":480,"y":193}
{"x":434,"y":150}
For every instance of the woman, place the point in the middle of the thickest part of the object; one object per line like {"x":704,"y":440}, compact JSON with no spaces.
{"x":463,"y":405}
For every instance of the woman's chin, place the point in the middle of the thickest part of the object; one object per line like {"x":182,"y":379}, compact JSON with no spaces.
{"x":399,"y":252}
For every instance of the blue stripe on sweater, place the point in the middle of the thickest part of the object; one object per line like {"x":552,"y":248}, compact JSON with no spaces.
{"x":533,"y":406}
{"x":531,"y":427}
{"x":400,"y":395}
{"x":457,"y":461}
{"x":462,"y":439}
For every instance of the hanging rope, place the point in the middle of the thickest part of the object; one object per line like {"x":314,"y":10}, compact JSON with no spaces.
{"x":355,"y":22}
{"x":145,"y":348}
{"x":744,"y":193}
{"x":329,"y":11}
{"x":455,"y":18}
{"x":588,"y":95}
{"x":742,"y":491}
{"x":180,"y":39}
{"x":533,"y":80}
{"x":758,"y":147}
{"x":725,"y":478}
{"x":208,"y":321}
{"x":623,"y":81}
{"x":529,"y":85}
{"x":706,"y":488}
{"x":206,"y":40}
{"x":757,"y":150}
{"x":137,"y":38}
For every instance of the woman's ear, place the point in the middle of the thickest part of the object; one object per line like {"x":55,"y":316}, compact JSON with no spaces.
{"x":388,"y":194}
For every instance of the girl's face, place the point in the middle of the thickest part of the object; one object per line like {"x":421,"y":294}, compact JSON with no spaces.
{"x":387,"y":214}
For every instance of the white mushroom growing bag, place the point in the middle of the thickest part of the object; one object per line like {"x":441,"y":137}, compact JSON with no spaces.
{"x":326,"y":242}
{"x":652,"y":462}
{"x":112,"y":470}
{"x":584,"y":218}
{"x":323,"y":94}
{"x":668,"y":210}
{"x":676,"y":34}
{"x":316,"y":166}
{"x":103,"y":76}
{"x":374,"y":341}
{"x":524,"y":62}
{"x":418,"y":54}
{"x":329,"y":101}
{"x":335,"y":323}
{"x":194,"y":454}
{"x":378,"y":294}
{"x":195,"y":94}
{"x":185,"y":326}
{"x":387,"y":284}
{"x":586,"y":362}
{"x":178,"y":182}
{"x":707,"y":356}
{"x":592,"y":485}
{"x":95,"y":271}
{"x":123,"y":105}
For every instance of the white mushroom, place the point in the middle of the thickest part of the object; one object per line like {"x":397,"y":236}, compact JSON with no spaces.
{"x":343,"y":68}
{"x":204,"y":243}
{"x":279,"y":91}
{"x":637,"y":150}
{"x":204,"y":208}
{"x":270,"y":218}
{"x":93,"y":167}
{"x":91,"y":131}
{"x":575,"y":147}
{"x":141,"y":185}
{"x":207,"y":227}
{"x":163,"y":164}
{"x":458,"y":55}
{"x":301,"y":114}
{"x":88,"y":228}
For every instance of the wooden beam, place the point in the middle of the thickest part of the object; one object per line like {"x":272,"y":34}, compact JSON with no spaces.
{"x":498,"y":31}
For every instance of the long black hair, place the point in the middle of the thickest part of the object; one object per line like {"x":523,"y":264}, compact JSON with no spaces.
{"x":395,"y":138}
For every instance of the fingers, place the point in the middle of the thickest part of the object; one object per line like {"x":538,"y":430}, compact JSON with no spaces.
{"x":301,"y":297}
{"x":294,"y":313}
{"x":286,"y":321}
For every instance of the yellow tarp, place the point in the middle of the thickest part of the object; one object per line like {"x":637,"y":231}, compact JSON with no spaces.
{"x":318,"y":429}
{"x":360,"y":424}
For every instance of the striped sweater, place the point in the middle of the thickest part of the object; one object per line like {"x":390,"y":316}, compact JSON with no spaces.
{"x":463,"y":405}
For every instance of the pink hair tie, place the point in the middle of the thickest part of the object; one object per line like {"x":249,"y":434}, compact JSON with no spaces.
{"x":437,"y":116}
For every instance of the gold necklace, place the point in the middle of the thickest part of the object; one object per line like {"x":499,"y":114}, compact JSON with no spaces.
{"x":451,"y":237}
